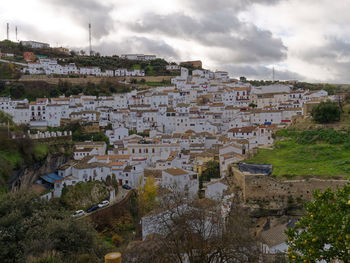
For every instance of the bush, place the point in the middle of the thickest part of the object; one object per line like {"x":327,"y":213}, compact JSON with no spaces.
{"x":117,"y":240}
{"x":40,"y":151}
{"x":326,"y":112}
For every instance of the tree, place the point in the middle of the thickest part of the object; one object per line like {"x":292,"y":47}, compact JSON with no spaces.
{"x":326,"y":112}
{"x":252,"y":105}
{"x":146,"y":196}
{"x":73,"y":53}
{"x":212,"y":170}
{"x":5,"y":118}
{"x":324,"y":231}
{"x":31,"y":227}
{"x":197,"y":232}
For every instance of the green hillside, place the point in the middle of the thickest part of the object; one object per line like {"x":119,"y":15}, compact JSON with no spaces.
{"x":319,"y":153}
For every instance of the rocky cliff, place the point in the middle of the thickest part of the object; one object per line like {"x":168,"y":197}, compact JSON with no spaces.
{"x":25,"y":177}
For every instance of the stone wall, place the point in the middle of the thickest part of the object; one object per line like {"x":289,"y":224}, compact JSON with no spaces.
{"x":265,"y":189}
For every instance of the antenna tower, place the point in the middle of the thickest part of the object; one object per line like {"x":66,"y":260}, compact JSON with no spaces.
{"x":273,"y":74}
{"x":8,"y":30}
{"x":16,"y":34}
{"x":90,"y":51}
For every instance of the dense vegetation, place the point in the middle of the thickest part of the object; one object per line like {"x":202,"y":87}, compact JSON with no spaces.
{"x":322,"y":153}
{"x":35,"y":230}
{"x":323,"y":233}
{"x":39,"y":89}
{"x":326,"y":112}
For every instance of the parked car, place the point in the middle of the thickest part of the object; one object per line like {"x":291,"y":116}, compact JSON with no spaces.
{"x":93,"y":208}
{"x":103,"y":204}
{"x":78,"y":213}
{"x":125,"y":186}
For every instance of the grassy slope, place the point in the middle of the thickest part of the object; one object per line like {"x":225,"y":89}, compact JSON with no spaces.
{"x":290,"y":158}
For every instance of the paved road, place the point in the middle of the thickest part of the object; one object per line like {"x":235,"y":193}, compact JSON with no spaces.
{"x":120,"y":195}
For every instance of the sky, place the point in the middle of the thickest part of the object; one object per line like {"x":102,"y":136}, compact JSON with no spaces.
{"x":306,"y":40}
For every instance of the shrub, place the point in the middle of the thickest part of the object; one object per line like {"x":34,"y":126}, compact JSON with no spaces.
{"x":326,"y":112}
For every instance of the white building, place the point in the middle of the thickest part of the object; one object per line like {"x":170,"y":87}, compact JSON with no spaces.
{"x":176,"y":179}
{"x":35,"y":44}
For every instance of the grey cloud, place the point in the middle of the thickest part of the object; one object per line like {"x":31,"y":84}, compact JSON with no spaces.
{"x":31,"y":32}
{"x":87,"y":11}
{"x":261,"y":72}
{"x":209,"y":6}
{"x":244,"y":42}
{"x":333,"y":56}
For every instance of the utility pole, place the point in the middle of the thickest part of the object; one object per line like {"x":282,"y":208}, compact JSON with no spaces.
{"x":273,"y":74}
{"x":90,"y":51}
{"x":8,"y":30}
{"x":16,"y":34}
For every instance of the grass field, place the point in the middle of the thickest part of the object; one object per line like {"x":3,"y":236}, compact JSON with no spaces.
{"x":291,"y":159}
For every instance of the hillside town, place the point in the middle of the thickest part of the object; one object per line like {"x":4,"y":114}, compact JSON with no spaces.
{"x":174,"y":131}
{"x":202,"y":116}
{"x":34,"y":64}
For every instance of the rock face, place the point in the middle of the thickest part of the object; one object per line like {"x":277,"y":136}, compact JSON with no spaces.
{"x":25,"y":177}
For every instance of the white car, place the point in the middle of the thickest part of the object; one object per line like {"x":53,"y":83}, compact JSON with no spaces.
{"x":78,"y":213}
{"x":103,"y":204}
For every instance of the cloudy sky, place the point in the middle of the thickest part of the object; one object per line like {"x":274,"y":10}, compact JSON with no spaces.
{"x":302,"y":39}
